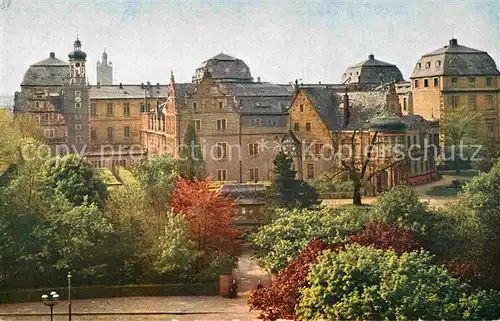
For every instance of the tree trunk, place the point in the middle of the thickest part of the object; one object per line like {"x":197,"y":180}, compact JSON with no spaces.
{"x":356,"y":194}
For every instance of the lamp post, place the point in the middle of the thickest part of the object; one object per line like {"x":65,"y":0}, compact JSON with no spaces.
{"x":50,"y":301}
{"x":69,"y":296}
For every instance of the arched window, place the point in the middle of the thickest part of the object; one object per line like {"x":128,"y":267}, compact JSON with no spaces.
{"x":438,"y":63}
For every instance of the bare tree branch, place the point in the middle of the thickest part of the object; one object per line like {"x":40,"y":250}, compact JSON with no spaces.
{"x":382,"y":169}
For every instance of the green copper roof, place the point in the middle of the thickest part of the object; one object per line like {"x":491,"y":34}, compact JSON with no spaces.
{"x":387,"y":123}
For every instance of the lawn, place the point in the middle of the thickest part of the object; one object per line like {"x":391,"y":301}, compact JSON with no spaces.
{"x":445,"y":188}
{"x":447,"y":191}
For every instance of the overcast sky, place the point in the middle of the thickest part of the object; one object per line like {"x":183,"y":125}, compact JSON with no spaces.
{"x":280,"y":41}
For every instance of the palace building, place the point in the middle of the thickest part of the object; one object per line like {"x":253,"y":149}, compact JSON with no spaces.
{"x":454,"y":76}
{"x":55,"y":94}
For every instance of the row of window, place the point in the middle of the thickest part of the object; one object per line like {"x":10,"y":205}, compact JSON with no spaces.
{"x":454,"y":82}
{"x":114,"y":162}
{"x":111,"y":133}
{"x":110,"y":109}
{"x":472,"y":101}
{"x":296,"y":127}
{"x":221,"y":105}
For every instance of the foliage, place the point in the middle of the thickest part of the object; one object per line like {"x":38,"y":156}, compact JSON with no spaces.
{"x":209,"y":216}
{"x":277,"y":243}
{"x":74,"y":177}
{"x":191,"y":165}
{"x":332,"y":182}
{"x":288,"y":192}
{"x":157,"y":176}
{"x":177,"y":252}
{"x":279,"y":300}
{"x":383,"y":285}
{"x":477,"y":215}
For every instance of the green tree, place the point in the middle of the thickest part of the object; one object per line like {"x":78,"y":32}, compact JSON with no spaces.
{"x":176,"y":251}
{"x":363,"y":283}
{"x":286,"y":191}
{"x":279,"y":242}
{"x":157,"y":176}
{"x":463,"y":126}
{"x":191,"y":164}
{"x":76,"y":179}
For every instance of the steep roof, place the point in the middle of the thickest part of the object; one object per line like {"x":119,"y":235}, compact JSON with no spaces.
{"x":455,"y":60}
{"x":48,"y":72}
{"x":372,"y":72}
{"x":326,"y":101}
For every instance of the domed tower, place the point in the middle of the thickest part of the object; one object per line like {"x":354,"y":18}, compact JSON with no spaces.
{"x":372,"y":73}
{"x":77,"y":100}
{"x":77,"y":59}
{"x":104,"y":70}
{"x":224,"y":68}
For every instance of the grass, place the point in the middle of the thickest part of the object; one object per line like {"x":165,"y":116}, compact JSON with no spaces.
{"x":446,"y":191}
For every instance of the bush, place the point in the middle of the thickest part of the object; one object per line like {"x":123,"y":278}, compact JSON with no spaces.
{"x":364,"y":283}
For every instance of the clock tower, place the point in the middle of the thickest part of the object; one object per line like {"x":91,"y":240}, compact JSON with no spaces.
{"x":76,"y":101}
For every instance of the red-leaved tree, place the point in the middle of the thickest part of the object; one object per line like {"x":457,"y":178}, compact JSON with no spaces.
{"x":279,"y":300}
{"x":209,"y":216}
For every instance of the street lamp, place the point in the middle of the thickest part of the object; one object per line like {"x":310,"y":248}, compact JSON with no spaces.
{"x":50,"y":301}
{"x":69,"y":296}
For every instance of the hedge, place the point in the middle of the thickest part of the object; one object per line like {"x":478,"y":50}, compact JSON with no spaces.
{"x":94,"y":292}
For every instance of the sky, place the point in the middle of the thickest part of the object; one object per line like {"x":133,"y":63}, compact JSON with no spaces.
{"x":279,"y":41}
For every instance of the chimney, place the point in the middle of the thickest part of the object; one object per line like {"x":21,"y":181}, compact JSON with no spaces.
{"x":258,"y":79}
{"x":158,"y":85}
{"x":347,"y":112}
{"x":52,"y":55}
{"x":149,"y":84}
{"x":121,"y":86}
{"x":142,"y":86}
{"x":371,"y":57}
{"x":98,"y":84}
{"x":453,"y":42}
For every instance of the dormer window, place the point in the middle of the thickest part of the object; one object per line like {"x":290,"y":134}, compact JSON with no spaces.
{"x":438,"y":63}
{"x":427,"y":65}
{"x":419,"y":66}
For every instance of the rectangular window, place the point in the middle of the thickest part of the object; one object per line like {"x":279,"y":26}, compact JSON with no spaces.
{"x":254,"y":174}
{"x":78,"y":105}
{"x":455,"y":101}
{"x":93,"y":134}
{"x":197,"y":124}
{"x":489,"y":81}
{"x":491,"y":129}
{"x":426,"y":83}
{"x":220,"y":105}
{"x":436,"y":82}
{"x":110,"y":133}
{"x":78,"y":93}
{"x":253,"y":149}
{"x":126,"y":132}
{"x":489,"y":102}
{"x":78,"y":139}
{"x":110,"y":109}
{"x":472,"y":101}
{"x":310,"y":171}
{"x":301,"y":108}
{"x":221,"y":124}
{"x":78,"y":127}
{"x":222,"y":174}
{"x":126,"y":109}
{"x":195,"y":106}
{"x":296,"y":127}
{"x":308,"y":127}
{"x":416,"y":83}
{"x":408,"y":141}
{"x":405,"y":104}
{"x":472,"y":81}
{"x":318,"y":149}
{"x":93,"y":109}
{"x":454,"y":82}
{"x":221,"y":150}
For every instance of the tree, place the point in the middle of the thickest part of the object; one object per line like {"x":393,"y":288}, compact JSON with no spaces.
{"x":463,"y":126}
{"x":209,"y":216}
{"x":191,"y":165}
{"x":384,"y":285}
{"x":76,"y":179}
{"x":288,"y":192}
{"x":279,"y":242}
{"x":176,"y":251}
{"x":157,"y":176}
